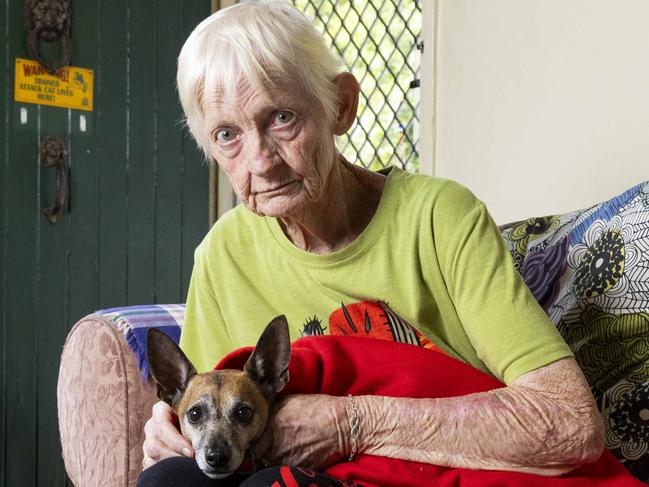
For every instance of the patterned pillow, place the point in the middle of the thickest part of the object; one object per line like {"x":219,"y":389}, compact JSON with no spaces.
{"x":589,"y":270}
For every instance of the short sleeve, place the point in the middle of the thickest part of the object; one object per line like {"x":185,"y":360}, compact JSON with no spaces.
{"x":204,"y":337}
{"x":511,"y":333}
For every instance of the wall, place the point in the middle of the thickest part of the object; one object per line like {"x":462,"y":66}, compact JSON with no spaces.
{"x":542,"y":106}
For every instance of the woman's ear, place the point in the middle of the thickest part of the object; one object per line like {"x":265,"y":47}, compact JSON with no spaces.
{"x":348,"y":90}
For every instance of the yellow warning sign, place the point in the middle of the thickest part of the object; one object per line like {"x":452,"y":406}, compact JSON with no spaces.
{"x":70,"y":88}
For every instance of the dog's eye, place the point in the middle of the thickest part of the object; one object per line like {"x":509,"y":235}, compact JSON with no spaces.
{"x":244,"y":414}
{"x":194,"y":415}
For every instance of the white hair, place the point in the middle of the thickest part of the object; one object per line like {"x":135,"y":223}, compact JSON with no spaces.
{"x":264,"y":43}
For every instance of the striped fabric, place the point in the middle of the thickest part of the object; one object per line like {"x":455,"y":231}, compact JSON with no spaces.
{"x":135,"y":321}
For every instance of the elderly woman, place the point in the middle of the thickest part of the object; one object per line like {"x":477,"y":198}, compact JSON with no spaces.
{"x":323,"y":241}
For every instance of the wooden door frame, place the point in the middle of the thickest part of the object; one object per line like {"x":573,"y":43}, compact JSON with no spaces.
{"x":428,"y":93}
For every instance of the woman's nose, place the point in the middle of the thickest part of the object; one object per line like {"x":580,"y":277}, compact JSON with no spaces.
{"x":263,"y":156}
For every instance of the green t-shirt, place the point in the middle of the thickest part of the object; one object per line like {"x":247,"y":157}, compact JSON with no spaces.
{"x":429,"y":269}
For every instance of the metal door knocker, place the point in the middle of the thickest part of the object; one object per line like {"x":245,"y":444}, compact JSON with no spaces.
{"x":53,"y":154}
{"x":49,"y":20}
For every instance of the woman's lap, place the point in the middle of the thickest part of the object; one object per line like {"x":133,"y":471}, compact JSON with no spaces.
{"x":182,"y":471}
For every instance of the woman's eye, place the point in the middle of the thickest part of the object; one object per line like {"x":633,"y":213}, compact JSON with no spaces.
{"x":224,"y":136}
{"x":244,"y":414}
{"x":283,"y":116}
{"x":194,"y":415}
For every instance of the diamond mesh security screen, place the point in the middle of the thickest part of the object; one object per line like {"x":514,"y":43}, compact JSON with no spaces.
{"x":377,"y":40}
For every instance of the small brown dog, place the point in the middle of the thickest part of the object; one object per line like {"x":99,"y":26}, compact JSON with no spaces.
{"x":222,"y":413}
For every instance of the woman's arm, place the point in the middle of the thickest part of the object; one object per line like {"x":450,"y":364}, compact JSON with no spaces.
{"x":546,"y":422}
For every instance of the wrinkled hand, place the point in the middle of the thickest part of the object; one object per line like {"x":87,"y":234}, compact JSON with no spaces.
{"x":310,"y":431}
{"x":163,"y":440}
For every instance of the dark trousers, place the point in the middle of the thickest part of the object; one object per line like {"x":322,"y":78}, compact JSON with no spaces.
{"x":184,"y":472}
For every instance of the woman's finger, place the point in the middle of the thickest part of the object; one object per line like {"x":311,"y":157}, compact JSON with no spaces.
{"x":163,"y":439}
{"x":169,"y":435}
{"x":162,"y":411}
{"x":155,"y":450}
{"x":147,"y":462}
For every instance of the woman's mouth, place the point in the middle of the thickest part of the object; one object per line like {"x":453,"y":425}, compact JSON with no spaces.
{"x":276,"y":188}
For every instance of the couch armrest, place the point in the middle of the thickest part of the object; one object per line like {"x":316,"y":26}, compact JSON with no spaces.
{"x":102,"y":406}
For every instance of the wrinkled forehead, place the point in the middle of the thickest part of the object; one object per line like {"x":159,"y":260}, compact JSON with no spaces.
{"x":247,"y":101}
{"x":220,"y":94}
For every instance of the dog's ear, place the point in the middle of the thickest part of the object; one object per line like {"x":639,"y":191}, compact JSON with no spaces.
{"x":268,"y":364}
{"x":170,"y":368}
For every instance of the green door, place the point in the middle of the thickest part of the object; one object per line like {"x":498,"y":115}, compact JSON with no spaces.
{"x":137,"y":205}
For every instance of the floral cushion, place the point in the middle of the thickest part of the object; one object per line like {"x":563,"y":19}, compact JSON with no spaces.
{"x":589,"y":270}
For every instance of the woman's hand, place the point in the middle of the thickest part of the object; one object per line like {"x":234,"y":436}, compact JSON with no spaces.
{"x":163,"y":440}
{"x":310,"y":431}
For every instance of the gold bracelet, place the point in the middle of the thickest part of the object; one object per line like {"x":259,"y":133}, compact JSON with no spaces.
{"x":354,"y":425}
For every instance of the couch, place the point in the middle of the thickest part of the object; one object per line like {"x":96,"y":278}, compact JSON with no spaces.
{"x":589,"y":270}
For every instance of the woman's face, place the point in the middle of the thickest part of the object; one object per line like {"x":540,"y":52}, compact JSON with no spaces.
{"x":276,"y":148}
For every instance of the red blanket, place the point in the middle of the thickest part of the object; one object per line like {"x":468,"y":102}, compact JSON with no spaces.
{"x":357,"y":365}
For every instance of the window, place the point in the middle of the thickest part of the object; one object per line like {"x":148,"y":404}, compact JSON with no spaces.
{"x":378,"y":40}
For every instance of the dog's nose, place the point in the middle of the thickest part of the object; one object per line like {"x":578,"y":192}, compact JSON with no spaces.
{"x":217,"y":458}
